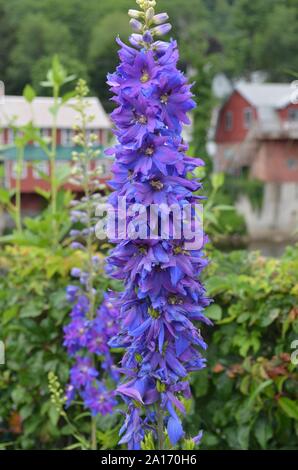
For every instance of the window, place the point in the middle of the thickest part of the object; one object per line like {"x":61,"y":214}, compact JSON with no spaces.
{"x":292,"y":163}
{"x":14,"y":171}
{"x":92,"y":132}
{"x":66,"y":137}
{"x":9,"y":136}
{"x":229,"y":121}
{"x":45,"y":134}
{"x":38,"y":168}
{"x":247,"y":118}
{"x":229,"y":153}
{"x":293,"y":114}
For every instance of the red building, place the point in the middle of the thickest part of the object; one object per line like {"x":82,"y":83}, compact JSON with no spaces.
{"x":15,"y":110}
{"x":257,"y":129}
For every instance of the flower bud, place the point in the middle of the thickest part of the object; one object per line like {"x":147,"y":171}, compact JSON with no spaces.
{"x":160,"y":46}
{"x":149,"y":14}
{"x":136,"y":40}
{"x":162,"y":29}
{"x":135,"y":14}
{"x":148,"y":37}
{"x":136,"y":25}
{"x":160,"y":18}
{"x":75,"y":272}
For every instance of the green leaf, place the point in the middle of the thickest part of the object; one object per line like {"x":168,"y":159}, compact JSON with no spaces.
{"x":289,"y":407}
{"x":67,"y":96}
{"x":5,"y":196}
{"x":268,"y":319}
{"x":31,"y":310}
{"x":54,"y":415}
{"x":42,"y":192}
{"x":263,"y":432}
{"x":9,"y":314}
{"x":258,"y":390}
{"x":29,"y":93}
{"x":243,"y":436}
{"x":217,"y":180}
{"x":214,"y":312}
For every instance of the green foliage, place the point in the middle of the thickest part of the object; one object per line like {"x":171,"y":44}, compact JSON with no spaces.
{"x":244,"y":185}
{"x":33,"y":312}
{"x":247,"y":398}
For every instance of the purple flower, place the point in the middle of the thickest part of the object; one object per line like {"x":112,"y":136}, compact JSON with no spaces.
{"x":163,"y":294}
{"x":160,"y":18}
{"x":136,"y":25}
{"x":71,"y":292}
{"x":161,"y":29}
{"x":75,"y":272}
{"x":98,"y":399}
{"x":83,"y":372}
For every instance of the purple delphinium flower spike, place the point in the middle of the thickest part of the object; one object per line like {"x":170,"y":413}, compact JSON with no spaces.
{"x":86,"y":339}
{"x":163,"y":293}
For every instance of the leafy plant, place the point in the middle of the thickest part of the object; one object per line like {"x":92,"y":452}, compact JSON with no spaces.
{"x":247,"y":398}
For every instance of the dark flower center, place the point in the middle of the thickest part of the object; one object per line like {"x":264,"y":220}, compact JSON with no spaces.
{"x":178,"y":250}
{"x":143,"y":250}
{"x":156,"y":184}
{"x":145,"y":77}
{"x":175,"y":300}
{"x":142,"y":119}
{"x":149,"y":151}
{"x":164,"y":98}
{"x":153,"y":312}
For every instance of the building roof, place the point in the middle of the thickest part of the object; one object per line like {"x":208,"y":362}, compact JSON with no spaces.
{"x":274,"y":95}
{"x":18,"y":110}
{"x":32,"y":153}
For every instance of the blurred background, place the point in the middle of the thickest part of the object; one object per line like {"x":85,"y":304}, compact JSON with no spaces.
{"x":230,"y":49}
{"x":242,"y":56}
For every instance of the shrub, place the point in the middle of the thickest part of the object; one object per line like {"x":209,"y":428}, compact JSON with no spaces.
{"x":33,"y":312}
{"x":247,"y":397}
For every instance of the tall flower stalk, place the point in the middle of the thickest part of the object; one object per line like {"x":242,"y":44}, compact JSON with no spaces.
{"x":163,"y":294}
{"x":56,"y":78}
{"x":92,"y":323}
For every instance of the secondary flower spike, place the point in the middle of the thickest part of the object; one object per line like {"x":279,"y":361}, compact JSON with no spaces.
{"x":163,"y":294}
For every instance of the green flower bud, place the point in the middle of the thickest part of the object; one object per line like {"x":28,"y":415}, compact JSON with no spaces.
{"x":135,"y":14}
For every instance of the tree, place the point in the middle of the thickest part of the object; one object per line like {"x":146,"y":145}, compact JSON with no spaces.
{"x":7,"y":35}
{"x":102,"y":52}
{"x":37,"y":39}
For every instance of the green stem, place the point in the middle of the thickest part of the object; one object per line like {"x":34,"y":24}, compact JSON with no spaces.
{"x":90,"y":285}
{"x":18,"y":209}
{"x":53,"y":171}
{"x":93,"y":434}
{"x":160,"y":428}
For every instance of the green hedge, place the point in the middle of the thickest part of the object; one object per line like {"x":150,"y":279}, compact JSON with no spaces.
{"x":246,"y":398}
{"x":33,"y":311}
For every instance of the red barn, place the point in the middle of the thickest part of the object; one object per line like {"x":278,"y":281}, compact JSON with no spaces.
{"x":257,"y":128}
{"x":17,"y":111}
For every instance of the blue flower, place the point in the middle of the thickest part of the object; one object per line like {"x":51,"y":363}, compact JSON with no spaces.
{"x":163,"y":294}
